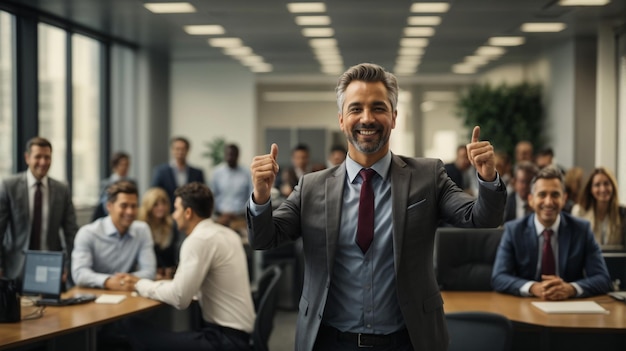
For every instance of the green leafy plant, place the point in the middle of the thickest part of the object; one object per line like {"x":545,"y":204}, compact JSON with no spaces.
{"x":215,"y":150}
{"x":505,"y":114}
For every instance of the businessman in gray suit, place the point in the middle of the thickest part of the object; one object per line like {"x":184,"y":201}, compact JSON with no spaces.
{"x":30,"y":223}
{"x":368,"y":227}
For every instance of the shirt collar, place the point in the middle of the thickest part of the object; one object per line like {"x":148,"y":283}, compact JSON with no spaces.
{"x":174,"y":165}
{"x":540,"y":228}
{"x":381,"y":167}
{"x":31,"y":180}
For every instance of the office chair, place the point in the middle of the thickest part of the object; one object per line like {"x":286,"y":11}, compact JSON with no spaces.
{"x":265,"y":307}
{"x":464,"y":257}
{"x":479,"y":331}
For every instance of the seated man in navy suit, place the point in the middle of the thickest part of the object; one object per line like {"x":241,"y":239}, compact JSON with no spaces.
{"x":549,"y":254}
{"x":177,"y":172}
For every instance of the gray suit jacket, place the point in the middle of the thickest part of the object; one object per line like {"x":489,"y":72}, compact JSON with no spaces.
{"x":15,"y":222}
{"x":422,"y":193}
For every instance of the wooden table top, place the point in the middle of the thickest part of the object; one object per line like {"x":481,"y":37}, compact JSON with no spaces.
{"x":66,"y":319}
{"x":519,"y":309}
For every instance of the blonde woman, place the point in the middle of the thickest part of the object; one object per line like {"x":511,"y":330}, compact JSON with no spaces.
{"x":155,"y":210}
{"x":599,"y":204}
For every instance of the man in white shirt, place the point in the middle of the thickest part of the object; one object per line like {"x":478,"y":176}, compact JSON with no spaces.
{"x":213,"y":267}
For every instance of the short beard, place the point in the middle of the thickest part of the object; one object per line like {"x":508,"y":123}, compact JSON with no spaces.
{"x":365,"y":148}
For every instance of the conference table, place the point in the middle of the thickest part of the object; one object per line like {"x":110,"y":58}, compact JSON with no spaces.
{"x":62,"y":320}
{"x":534,"y":328}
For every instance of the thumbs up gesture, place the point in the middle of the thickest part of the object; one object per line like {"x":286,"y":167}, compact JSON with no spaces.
{"x":264,"y":169}
{"x":481,"y":156}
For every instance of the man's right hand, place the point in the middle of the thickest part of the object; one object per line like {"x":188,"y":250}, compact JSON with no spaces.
{"x":119,"y":281}
{"x":264,"y":169}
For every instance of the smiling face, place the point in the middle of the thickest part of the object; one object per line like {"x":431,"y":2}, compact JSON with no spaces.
{"x":601,"y":188}
{"x":547,"y":199}
{"x":123,"y":211}
{"x":38,"y":159}
{"x":367,"y":119}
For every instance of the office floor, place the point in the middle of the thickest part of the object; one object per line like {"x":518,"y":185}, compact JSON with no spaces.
{"x":284,"y":333}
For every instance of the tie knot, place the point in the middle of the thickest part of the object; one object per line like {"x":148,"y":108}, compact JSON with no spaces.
{"x":367,"y":174}
{"x":547,"y":233}
{"x":38,"y":184}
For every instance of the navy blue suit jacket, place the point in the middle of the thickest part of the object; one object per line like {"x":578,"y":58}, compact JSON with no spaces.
{"x":580,"y":258}
{"x":163,"y":177}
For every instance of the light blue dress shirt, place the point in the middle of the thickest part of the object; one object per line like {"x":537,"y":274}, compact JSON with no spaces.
{"x":100,"y":251}
{"x":231,"y":189}
{"x":362,"y":297}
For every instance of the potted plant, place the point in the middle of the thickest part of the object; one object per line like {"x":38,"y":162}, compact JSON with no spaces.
{"x":506,"y":114}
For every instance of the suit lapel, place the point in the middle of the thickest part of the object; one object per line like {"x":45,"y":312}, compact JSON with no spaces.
{"x":530,"y":233}
{"x":564,"y":244}
{"x":22,"y":198}
{"x":334,"y":195}
{"x":400,"y":184}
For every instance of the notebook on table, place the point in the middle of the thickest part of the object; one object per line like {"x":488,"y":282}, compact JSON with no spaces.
{"x":43,"y":276}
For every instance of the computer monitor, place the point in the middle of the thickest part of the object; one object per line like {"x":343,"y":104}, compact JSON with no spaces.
{"x":43,"y":272}
{"x":616,"y":264}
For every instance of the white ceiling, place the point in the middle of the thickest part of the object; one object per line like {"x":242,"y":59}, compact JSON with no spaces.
{"x":366,"y":30}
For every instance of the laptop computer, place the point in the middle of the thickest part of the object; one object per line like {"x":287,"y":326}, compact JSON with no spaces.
{"x":43,"y":272}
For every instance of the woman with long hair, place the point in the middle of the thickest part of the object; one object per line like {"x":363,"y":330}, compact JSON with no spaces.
{"x":155,"y":210}
{"x":599,"y":204}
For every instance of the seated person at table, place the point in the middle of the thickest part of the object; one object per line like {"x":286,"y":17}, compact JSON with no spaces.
{"x":113,"y":249}
{"x":549,"y":254}
{"x":212,"y":266}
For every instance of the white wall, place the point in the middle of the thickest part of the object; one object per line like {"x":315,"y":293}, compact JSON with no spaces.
{"x":210,"y":100}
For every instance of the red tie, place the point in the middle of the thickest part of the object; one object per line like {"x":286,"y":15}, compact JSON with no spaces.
{"x":547,"y":255}
{"x":35,"y":230}
{"x":365,"y":229}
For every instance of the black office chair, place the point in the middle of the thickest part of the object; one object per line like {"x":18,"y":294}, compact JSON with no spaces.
{"x":265,"y":307}
{"x":479,"y":331}
{"x":464,"y":257}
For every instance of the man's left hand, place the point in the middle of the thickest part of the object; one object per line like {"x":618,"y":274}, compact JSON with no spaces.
{"x":481,"y":156}
{"x":555,"y":289}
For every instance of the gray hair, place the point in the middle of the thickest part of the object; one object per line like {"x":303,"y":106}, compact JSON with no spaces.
{"x":368,"y":72}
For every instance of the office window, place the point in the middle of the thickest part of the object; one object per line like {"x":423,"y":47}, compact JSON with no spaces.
{"x":6,"y":93}
{"x":52,"y":59}
{"x":86,"y":85}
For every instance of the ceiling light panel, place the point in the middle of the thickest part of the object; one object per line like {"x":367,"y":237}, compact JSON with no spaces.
{"x":238,"y":51}
{"x":583,"y":2}
{"x":490,"y":51}
{"x":543,"y":27}
{"x":323,"y":43}
{"x":408,"y":51}
{"x":306,"y":7}
{"x":506,"y":41}
{"x":419,"y":32}
{"x":424,"y":21}
{"x":169,"y":7}
{"x":463,"y":69}
{"x":210,"y":29}
{"x":318,"y":32}
{"x":312,"y":20}
{"x":414,"y":42}
{"x":430,"y":7}
{"x":225,"y":42}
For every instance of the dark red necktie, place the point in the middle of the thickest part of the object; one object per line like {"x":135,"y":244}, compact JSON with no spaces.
{"x":547,"y":255}
{"x":365,"y":229}
{"x":35,"y":230}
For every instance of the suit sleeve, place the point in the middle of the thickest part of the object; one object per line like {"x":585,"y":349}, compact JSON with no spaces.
{"x":268,"y":230}
{"x":462,"y":210}
{"x":504,"y":277}
{"x":156,"y":178}
{"x":597,"y":280}
{"x":5,"y":215}
{"x":69,"y":223}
